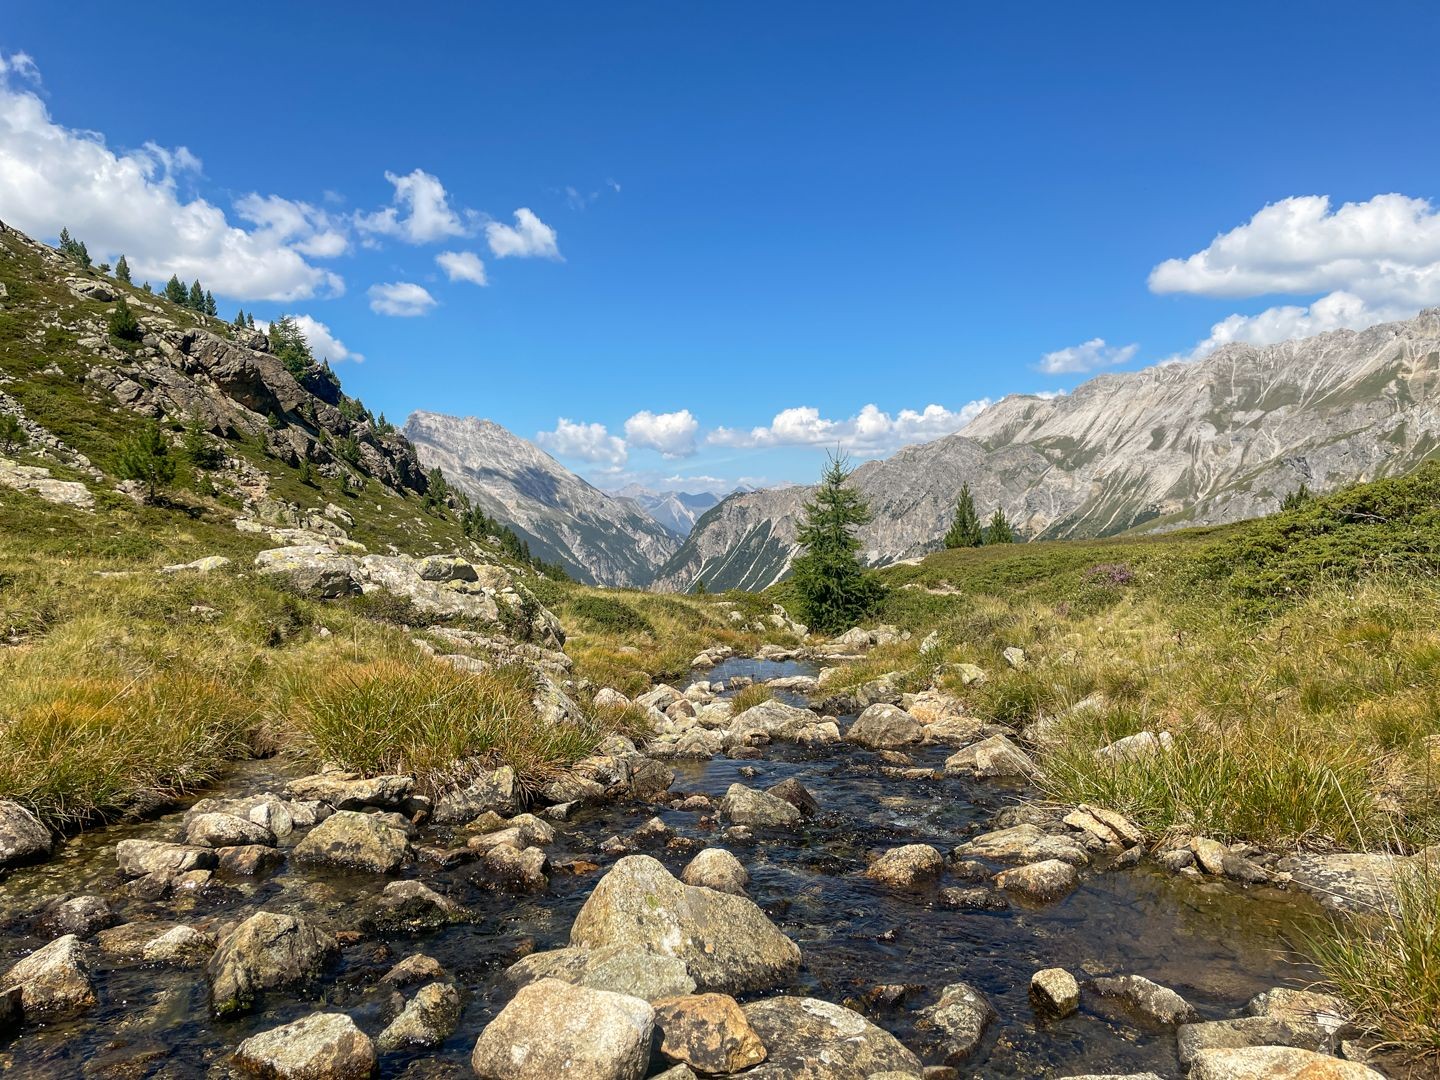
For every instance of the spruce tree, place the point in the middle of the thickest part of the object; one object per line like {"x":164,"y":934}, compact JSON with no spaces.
{"x":288,"y":345}
{"x":122,"y":271}
{"x":11,"y":433}
{"x":240,"y":319}
{"x":833,"y":589}
{"x":123,"y":324}
{"x":250,"y":320}
{"x":210,"y":308}
{"x":965,"y":527}
{"x":196,"y":299}
{"x":145,"y":457}
{"x":197,"y":447}
{"x":999,"y":531}
{"x":1297,"y":498}
{"x":175,"y":292}
{"x":104,"y":268}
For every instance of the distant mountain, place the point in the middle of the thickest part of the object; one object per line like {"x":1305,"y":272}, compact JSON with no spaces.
{"x":676,"y":510}
{"x":1217,"y":440}
{"x":598,"y":538}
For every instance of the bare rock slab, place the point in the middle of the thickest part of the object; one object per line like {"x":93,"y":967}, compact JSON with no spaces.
{"x":552,"y":1029}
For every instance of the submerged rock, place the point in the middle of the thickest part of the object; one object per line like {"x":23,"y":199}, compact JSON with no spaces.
{"x":1047,"y":880}
{"x":266,"y":951}
{"x":961,"y":1015}
{"x":552,"y":1029}
{"x":708,"y":1032}
{"x":809,"y":1039}
{"x":137,"y":858}
{"x":1155,"y":1003}
{"x":79,"y":915}
{"x":1023,"y":843}
{"x":746,"y":806}
{"x":727,"y":943}
{"x":357,"y":841}
{"x":428,"y":1019}
{"x":322,"y":1046}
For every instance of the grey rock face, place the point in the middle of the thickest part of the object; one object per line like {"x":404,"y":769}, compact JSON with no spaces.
{"x":1218,"y":440}
{"x":597,"y":537}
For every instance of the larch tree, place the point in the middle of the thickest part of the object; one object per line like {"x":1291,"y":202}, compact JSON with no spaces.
{"x":834,"y":590}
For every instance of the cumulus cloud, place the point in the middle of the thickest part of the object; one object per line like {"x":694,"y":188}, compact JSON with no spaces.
{"x":402,"y":298}
{"x":1373,"y":261}
{"x":309,"y":230}
{"x":871,"y":431}
{"x":462,"y":266}
{"x":420,"y":212}
{"x":1088,"y":356}
{"x":129,"y":202}
{"x":323,"y":343}
{"x":586,"y":442}
{"x":528,"y":238}
{"x":673,"y":433}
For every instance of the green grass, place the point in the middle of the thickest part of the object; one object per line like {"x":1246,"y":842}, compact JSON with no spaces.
{"x":747,"y":697}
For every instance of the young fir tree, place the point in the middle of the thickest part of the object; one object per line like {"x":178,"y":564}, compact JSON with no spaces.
{"x":197,"y":447}
{"x":122,"y":271}
{"x":145,"y":457}
{"x":1297,"y":498}
{"x":250,"y":320}
{"x":834,"y":590}
{"x":195,"y":300}
{"x":73,"y":249}
{"x":289,"y":346}
{"x":175,"y":292}
{"x":965,"y":526}
{"x":11,"y":433}
{"x":210,"y":308}
{"x":123,"y":324}
{"x":240,"y":319}
{"x":104,"y":268}
{"x":999,"y":531}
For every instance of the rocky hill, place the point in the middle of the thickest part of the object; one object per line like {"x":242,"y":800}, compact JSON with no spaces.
{"x":596,"y":537}
{"x":1218,"y":440}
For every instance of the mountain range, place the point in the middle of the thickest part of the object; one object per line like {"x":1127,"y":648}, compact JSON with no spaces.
{"x":676,"y":510}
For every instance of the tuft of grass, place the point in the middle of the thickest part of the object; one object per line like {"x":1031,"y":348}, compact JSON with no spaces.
{"x":1387,"y":965}
{"x":747,"y":697}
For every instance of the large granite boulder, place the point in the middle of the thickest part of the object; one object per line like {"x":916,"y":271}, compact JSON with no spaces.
{"x":551,"y":1029}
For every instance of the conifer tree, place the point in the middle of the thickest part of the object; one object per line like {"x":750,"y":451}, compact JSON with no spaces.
{"x":1297,"y":498}
{"x":175,"y":292}
{"x":965,"y":526}
{"x":999,"y":531}
{"x":123,"y":324}
{"x":145,"y":457}
{"x":210,"y":308}
{"x":250,"y":320}
{"x":122,"y":271}
{"x":104,"y":268}
{"x":834,"y":590}
{"x":288,"y":344}
{"x":198,"y":448}
{"x":11,"y":433}
{"x":196,"y":299}
{"x":240,"y":319}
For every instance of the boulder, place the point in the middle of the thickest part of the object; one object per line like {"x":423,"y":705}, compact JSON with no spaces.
{"x":996,"y":756}
{"x":180,"y":946}
{"x":428,"y":1019}
{"x":1191,"y":1039}
{"x":220,"y":830}
{"x":351,"y":791}
{"x":357,"y":841}
{"x":313,"y":569}
{"x":1054,"y":992}
{"x":552,"y":1029}
{"x":1047,"y":880}
{"x":746,"y":806}
{"x":136,"y":858}
{"x":251,"y":860}
{"x":797,"y":795}
{"x":825,"y":733}
{"x":1149,"y":1000}
{"x":10,"y":1010}
{"x":708,"y":1032}
{"x":321,"y":1046}
{"x":498,"y":790}
{"x":907,"y":867}
{"x":961,"y":1016}
{"x":409,"y":905}
{"x":885,"y":727}
{"x":79,"y":915}
{"x":415,"y":968}
{"x":53,"y":978}
{"x":809,"y":1039}
{"x":774,"y":719}
{"x":606,"y":698}
{"x":264,"y":952}
{"x":518,"y":870}
{"x":727,"y":943}
{"x":1305,"y":1007}
{"x":1023,"y":843}
{"x":23,"y":838}
{"x":1275,"y":1063}
{"x":1136,"y":747}
{"x":617,"y":968}
{"x":716,"y":868}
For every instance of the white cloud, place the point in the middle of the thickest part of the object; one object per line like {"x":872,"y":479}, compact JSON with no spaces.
{"x":1373,"y":261}
{"x":462,"y":266}
{"x":324,"y":344}
{"x":528,"y":238}
{"x":871,"y":431}
{"x":129,"y":203}
{"x":420,"y":213}
{"x":673,"y":433}
{"x":1087,"y":356}
{"x":402,"y":298}
{"x":587,"y":442}
{"x":306,"y":228}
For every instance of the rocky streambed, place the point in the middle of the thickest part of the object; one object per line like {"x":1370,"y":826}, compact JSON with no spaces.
{"x":857,"y":927}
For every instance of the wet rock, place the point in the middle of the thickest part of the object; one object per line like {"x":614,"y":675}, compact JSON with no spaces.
{"x":809,"y":1039}
{"x":885,"y":727}
{"x":1176,"y":859}
{"x":418,"y":967}
{"x":972,"y":900}
{"x":266,"y":951}
{"x":961,"y":1015}
{"x":321,"y":1046}
{"x":428,"y":1019}
{"x":129,"y":940}
{"x":53,"y":978}
{"x":356,"y":841}
{"x":552,"y":1029}
{"x":716,"y":868}
{"x":1191,"y":1039}
{"x":1305,"y":1007}
{"x":1046,"y":880}
{"x":1210,"y":854}
{"x":1023,"y":843}
{"x":727,"y":943}
{"x":137,"y":858}
{"x":10,"y":1010}
{"x":653,"y":831}
{"x":1275,"y":1063}
{"x":617,"y":968}
{"x":226,"y":830}
{"x":774,"y":719}
{"x":1125,"y":829}
{"x":708,"y":1032}
{"x":907,"y":867}
{"x":996,"y":756}
{"x":180,"y":946}
{"x":797,"y":795}
{"x":79,"y":915}
{"x":825,"y":733}
{"x":1153,"y":1002}
{"x":524,"y":871}
{"x":955,"y":731}
{"x":252,"y":860}
{"x":1054,"y":992}
{"x":23,"y":838}
{"x":351,"y":791}
{"x":746,"y":806}
{"x":409,"y":905}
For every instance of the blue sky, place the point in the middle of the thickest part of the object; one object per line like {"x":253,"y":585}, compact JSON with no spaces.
{"x":743,"y":223}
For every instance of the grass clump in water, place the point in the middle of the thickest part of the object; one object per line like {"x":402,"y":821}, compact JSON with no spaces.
{"x":747,"y":697}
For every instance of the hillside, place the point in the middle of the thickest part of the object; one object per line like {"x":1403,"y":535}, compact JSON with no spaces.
{"x":597,"y":538}
{"x":1218,"y":440}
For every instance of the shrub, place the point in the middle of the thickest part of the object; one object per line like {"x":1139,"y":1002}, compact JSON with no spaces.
{"x":605,"y":614}
{"x":124,"y":327}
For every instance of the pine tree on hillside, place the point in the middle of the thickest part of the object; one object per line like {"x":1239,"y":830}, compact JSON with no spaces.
{"x":965,"y":526}
{"x":104,"y":268}
{"x":240,"y":319}
{"x":11,"y":433}
{"x":196,"y":300}
{"x":1297,"y":498}
{"x":834,"y":590}
{"x":122,"y":271}
{"x":73,"y":249}
{"x":210,"y":308}
{"x":123,"y":324}
{"x":999,"y":531}
{"x":145,"y":457}
{"x":175,"y":292}
{"x":288,"y":345}
{"x":203,"y":453}
{"x":250,"y":320}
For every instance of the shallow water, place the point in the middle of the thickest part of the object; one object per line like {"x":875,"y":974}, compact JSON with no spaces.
{"x":1214,"y":944}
